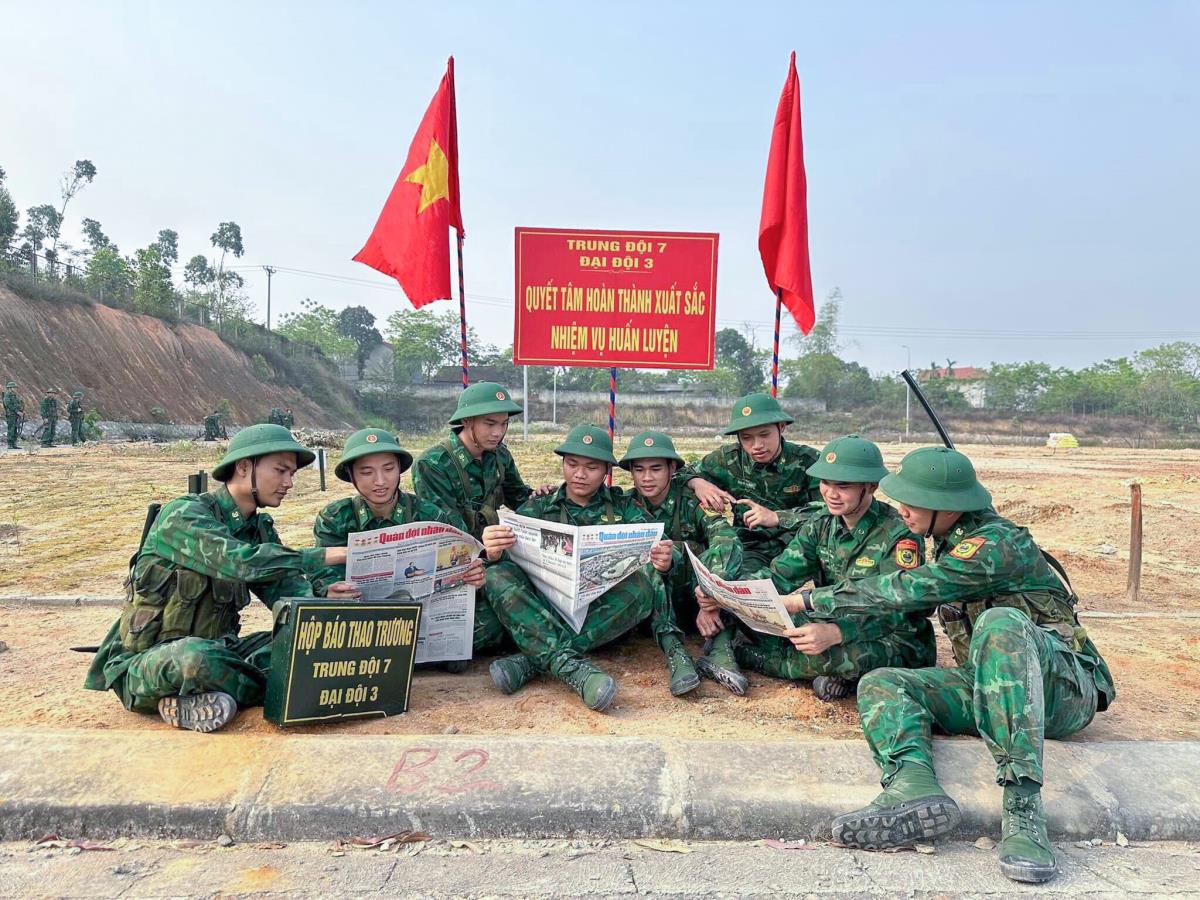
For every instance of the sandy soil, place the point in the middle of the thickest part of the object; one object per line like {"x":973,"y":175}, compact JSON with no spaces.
{"x":69,"y":518}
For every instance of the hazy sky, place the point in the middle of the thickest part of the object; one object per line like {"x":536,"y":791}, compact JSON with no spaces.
{"x":987,"y":182}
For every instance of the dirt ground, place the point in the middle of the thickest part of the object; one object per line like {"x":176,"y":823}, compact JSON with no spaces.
{"x":69,"y":519}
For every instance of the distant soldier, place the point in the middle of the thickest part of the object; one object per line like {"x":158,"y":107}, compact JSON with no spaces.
{"x":373,"y":462}
{"x":75,"y":417}
{"x":652,"y":461}
{"x":287,"y":420}
{"x":49,"y":411}
{"x":275,"y":417}
{"x":177,"y":645}
{"x":1026,"y":670}
{"x":851,"y":536}
{"x":214,"y":427}
{"x":763,"y":477}
{"x":547,"y":643}
{"x":14,"y":406}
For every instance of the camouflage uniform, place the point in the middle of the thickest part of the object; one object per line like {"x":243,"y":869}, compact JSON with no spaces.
{"x":13,"y":407}
{"x":825,"y":552}
{"x":448,"y":475}
{"x":49,"y":411}
{"x":178,"y":633}
{"x":287,"y":419}
{"x":75,"y":417}
{"x":1018,"y":624}
{"x":537,"y":627}
{"x":212,"y":427}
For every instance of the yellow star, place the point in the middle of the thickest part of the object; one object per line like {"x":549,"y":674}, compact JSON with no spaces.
{"x":434,"y":177}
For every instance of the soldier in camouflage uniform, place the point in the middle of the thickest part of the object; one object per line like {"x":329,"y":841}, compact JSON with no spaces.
{"x":13,"y":407}
{"x":652,"y":461}
{"x":287,"y":419}
{"x":852,"y":536}
{"x":49,"y":411}
{"x":75,"y":417}
{"x":373,"y":462}
{"x":1026,"y":669}
{"x":275,"y":417}
{"x":213,"y":428}
{"x":547,"y":642}
{"x":763,"y":477}
{"x":176,"y":645}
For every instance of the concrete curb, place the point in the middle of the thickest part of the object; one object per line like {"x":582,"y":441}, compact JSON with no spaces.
{"x":320,"y":787}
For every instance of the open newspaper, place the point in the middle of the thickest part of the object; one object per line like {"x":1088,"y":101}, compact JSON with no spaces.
{"x":572,"y":565}
{"x":756,"y":603}
{"x":424,"y":561}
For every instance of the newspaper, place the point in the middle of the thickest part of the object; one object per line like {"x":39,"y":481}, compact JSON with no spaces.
{"x":572,"y":565}
{"x":756,"y":603}
{"x":424,"y":561}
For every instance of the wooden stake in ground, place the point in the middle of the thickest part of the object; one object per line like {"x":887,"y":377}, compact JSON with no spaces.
{"x":1135,"y":541}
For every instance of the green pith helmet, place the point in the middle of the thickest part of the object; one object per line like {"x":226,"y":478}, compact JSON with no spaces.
{"x":937,"y":478}
{"x":483,"y":399}
{"x":365,"y":442}
{"x":850,"y":459}
{"x":591,"y":441}
{"x":756,"y":409}
{"x":77,"y":394}
{"x":650,"y":445}
{"x":259,"y":440}
{"x":11,"y":384}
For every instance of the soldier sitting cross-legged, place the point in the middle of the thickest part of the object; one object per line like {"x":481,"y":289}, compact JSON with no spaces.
{"x":176,"y":646}
{"x":546,"y":641}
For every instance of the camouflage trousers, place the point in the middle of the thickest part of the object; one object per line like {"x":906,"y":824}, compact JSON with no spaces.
{"x":77,"y":430}
{"x":48,"y":432}
{"x":192,"y":665}
{"x":489,"y":631}
{"x":906,"y":650}
{"x":541,"y":633}
{"x":10,"y":423}
{"x":1021,"y":685}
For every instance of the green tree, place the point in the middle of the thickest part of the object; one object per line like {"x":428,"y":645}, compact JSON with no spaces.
{"x":42,"y":223}
{"x":73,"y":181}
{"x":108,"y":275}
{"x":228,"y":239}
{"x":167,"y":245}
{"x":357,"y":323}
{"x":741,"y":364}
{"x":9,"y":217}
{"x":424,"y":341}
{"x":317,"y":325}
{"x":153,"y":292}
{"x":95,"y":236}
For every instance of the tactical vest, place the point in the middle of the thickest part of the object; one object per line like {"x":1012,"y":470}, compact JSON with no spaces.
{"x":492,"y":500}
{"x":166,"y":601}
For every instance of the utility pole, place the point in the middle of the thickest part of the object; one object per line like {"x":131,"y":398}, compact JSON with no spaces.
{"x":270,"y":270}
{"x":907,"y":391}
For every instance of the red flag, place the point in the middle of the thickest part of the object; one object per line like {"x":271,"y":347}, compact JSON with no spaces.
{"x":409,"y":241}
{"x":783,"y":230}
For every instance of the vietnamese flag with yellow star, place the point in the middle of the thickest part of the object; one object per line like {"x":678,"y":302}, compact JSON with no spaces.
{"x":410,"y":242}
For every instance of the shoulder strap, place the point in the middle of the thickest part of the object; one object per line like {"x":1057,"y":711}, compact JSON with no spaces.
{"x":468,"y":510}
{"x":1060,"y":571}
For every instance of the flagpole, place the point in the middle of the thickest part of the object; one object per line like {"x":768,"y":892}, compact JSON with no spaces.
{"x":775,"y":354}
{"x":612,"y":412}
{"x":462,"y":313}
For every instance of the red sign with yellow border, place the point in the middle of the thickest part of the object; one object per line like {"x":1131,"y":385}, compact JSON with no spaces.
{"x":632,"y":299}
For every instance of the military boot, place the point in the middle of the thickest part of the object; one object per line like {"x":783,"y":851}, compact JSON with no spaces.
{"x":682,"y":669}
{"x":205,"y":712}
{"x":748,"y":654}
{"x":1025,"y":851}
{"x":720,"y":664}
{"x":828,"y":688}
{"x":511,"y":673}
{"x":595,"y":688}
{"x":913,"y":807}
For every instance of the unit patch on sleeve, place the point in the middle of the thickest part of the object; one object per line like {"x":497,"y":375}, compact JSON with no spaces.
{"x":906,"y":554}
{"x":968,"y":548}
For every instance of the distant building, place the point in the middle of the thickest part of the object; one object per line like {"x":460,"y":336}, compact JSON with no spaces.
{"x":970,"y":381}
{"x":505,"y":375}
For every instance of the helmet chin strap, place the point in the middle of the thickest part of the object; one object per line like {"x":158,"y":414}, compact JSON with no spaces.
{"x":254,"y":482}
{"x":932,"y":522}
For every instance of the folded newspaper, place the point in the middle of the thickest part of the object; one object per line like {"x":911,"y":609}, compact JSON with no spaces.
{"x":424,"y":561}
{"x":572,"y":565}
{"x":756,"y":603}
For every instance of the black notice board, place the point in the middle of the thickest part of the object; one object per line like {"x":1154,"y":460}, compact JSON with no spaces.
{"x":337,"y":660}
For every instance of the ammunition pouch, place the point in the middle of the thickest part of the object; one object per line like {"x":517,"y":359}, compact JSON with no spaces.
{"x":1044,"y":610}
{"x":165,"y":603}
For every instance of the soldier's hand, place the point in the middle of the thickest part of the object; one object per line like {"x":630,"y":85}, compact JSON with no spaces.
{"x":758,"y":516}
{"x":543,"y":489}
{"x":335,"y":556}
{"x":814,"y":639}
{"x":497,"y":539}
{"x":706,"y":602}
{"x":343,"y":590}
{"x":710,"y":496}
{"x":709,"y":623}
{"x":474,"y":574}
{"x":660,"y":556}
{"x":794,"y":603}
